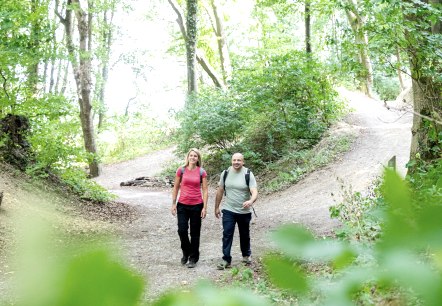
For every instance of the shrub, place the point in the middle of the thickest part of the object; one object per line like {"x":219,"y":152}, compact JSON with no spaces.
{"x":211,"y":120}
{"x":290,"y":98}
{"x":387,"y":87}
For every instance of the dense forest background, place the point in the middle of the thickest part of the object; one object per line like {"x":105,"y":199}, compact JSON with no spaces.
{"x":90,"y":82}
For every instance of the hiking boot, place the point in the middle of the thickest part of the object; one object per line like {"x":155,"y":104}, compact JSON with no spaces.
{"x":247,"y":260}
{"x":223,"y":265}
{"x":184,"y":260}
{"x":191,"y":264}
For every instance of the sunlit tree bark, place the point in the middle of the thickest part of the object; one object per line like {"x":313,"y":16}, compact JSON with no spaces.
{"x":36,"y":36}
{"x":204,"y":63}
{"x":357,"y":21}
{"x":192,"y":31}
{"x":308,"y":39}
{"x":105,"y":41}
{"x":223,"y":51}
{"x":81,"y":64}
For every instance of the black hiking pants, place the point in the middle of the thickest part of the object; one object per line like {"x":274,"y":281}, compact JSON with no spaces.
{"x":190,"y":215}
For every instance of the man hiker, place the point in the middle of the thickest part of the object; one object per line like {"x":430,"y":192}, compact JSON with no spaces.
{"x":238,"y":184}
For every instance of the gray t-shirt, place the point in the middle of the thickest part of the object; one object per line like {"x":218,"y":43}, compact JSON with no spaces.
{"x":236,"y":189}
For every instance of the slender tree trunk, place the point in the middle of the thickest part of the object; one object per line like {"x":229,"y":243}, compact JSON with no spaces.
{"x":64,"y":80}
{"x":398,"y":70}
{"x":52,"y":75}
{"x":205,"y":65}
{"x":81,"y":64}
{"x":357,"y":23}
{"x":34,"y":45}
{"x":223,"y":51}
{"x":61,"y":67}
{"x":106,"y":41}
{"x":44,"y":77}
{"x":53,"y":61}
{"x":192,"y":31}
{"x":308,"y":46}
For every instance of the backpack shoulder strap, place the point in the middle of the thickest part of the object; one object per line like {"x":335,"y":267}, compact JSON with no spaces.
{"x":247,"y":175}
{"x":224,"y":179}
{"x":183,"y":168}
{"x":201,"y":174}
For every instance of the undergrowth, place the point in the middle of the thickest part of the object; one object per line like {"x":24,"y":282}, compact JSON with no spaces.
{"x":297,"y":163}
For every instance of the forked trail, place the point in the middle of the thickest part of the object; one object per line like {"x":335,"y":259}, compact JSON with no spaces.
{"x":151,"y":244}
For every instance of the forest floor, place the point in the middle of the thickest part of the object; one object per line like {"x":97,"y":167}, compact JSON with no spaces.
{"x":147,"y":238}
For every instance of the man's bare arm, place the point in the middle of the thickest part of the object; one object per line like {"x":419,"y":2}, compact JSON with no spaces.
{"x":218,"y":198}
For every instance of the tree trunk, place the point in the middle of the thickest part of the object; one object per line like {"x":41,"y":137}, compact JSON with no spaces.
{"x":427,"y":95}
{"x":81,"y":64}
{"x":53,"y":62}
{"x":361,"y":41}
{"x":217,"y":81}
{"x":204,"y":63}
{"x":308,"y":46}
{"x":192,"y":31}
{"x":398,"y":69}
{"x":64,"y":80}
{"x":226,"y":66}
{"x":105,"y":41}
{"x":34,"y":45}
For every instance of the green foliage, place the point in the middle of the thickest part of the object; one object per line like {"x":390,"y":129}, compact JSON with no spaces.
{"x":23,"y":43}
{"x":289,"y":99}
{"x":210,"y":119}
{"x":87,"y":189}
{"x":360,"y":214}
{"x":387,"y":88}
{"x":301,"y":159}
{"x":427,"y":180}
{"x":91,"y":278}
{"x":285,"y":274}
{"x":396,"y":261}
{"x":403,"y":266}
{"x":209,"y":295}
{"x":95,"y":279}
{"x":56,"y":136}
{"x":271,"y":104}
{"x":56,"y":143}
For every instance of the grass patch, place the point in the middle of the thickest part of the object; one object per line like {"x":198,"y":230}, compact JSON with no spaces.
{"x":296,"y":164}
{"x":255,"y":280}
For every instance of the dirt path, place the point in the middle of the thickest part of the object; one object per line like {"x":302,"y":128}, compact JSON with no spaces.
{"x":151,"y":244}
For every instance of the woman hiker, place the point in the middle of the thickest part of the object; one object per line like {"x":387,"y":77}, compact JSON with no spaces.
{"x":191,"y":184}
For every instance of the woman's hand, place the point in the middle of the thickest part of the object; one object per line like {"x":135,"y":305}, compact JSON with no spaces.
{"x":203,"y":213}
{"x":173,"y":209}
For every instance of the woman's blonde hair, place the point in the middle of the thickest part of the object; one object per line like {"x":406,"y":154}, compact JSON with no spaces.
{"x":198,"y":163}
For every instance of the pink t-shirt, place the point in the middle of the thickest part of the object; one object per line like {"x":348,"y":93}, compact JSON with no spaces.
{"x":190,"y":187}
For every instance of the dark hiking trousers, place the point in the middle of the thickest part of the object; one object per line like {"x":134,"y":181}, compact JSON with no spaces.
{"x":229,"y":221}
{"x":190,"y":215}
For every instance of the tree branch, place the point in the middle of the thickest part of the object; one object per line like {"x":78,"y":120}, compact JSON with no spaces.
{"x":4,"y":83}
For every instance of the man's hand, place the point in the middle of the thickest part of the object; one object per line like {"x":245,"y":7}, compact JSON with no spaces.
{"x":217,"y":213}
{"x":247,"y":204}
